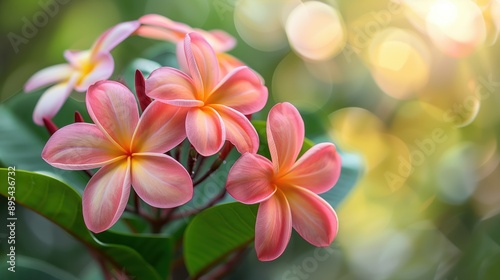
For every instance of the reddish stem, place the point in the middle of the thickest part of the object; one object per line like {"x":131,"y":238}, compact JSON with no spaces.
{"x":226,"y":268}
{"x":212,"y":202}
{"x":50,"y":126}
{"x":192,"y":157}
{"x":216,"y":164}
{"x":78,"y":117}
{"x":140,"y":90}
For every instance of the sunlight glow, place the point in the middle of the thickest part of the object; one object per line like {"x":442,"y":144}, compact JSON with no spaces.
{"x":315,"y":30}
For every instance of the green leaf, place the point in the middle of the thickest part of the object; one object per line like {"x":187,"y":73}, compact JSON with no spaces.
{"x":349,"y":176}
{"x":260,"y":127}
{"x":22,"y":141}
{"x":158,"y":55}
{"x":61,"y":204}
{"x":144,"y":65}
{"x":217,"y":232}
{"x":30,"y":268}
{"x":156,"y":250}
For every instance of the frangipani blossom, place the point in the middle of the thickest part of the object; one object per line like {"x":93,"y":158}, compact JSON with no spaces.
{"x":286,"y":188}
{"x":215,"y":104}
{"x":82,"y":70}
{"x":161,"y":28}
{"x":130,"y":149}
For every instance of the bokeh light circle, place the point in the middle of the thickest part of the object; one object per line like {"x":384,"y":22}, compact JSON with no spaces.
{"x":260,"y":22}
{"x":400,"y":62}
{"x":315,"y":30}
{"x":293,"y":82}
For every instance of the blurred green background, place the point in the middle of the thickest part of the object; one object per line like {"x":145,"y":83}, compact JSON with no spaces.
{"x":410,"y":86}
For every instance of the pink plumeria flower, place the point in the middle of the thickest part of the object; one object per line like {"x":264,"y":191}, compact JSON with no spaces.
{"x":215,"y":104}
{"x":287,"y":189}
{"x":161,"y":28}
{"x":130,"y":149}
{"x":82,"y":70}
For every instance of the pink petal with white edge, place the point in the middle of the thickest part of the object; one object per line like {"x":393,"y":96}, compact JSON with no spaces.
{"x":179,"y":30}
{"x":241,"y":90}
{"x":79,"y":146}
{"x":239,"y":130}
{"x":226,"y":61}
{"x":202,"y":63}
{"x":106,"y":195}
{"x":205,"y":130}
{"x":313,"y":218}
{"x":48,"y":76}
{"x":273,"y":227}
{"x":317,"y":170}
{"x":51,"y":101}
{"x":102,"y":68}
{"x":220,"y":40}
{"x":114,"y":36}
{"x":172,"y":86}
{"x":157,"y":33}
{"x":160,"y":180}
{"x":250,"y":179}
{"x":113,"y":108}
{"x":161,"y":128}
{"x":285,"y":135}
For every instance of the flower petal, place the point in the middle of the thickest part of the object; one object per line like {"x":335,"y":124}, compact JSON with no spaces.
{"x":48,"y":76}
{"x":106,"y":195}
{"x":160,"y":180}
{"x":285,"y":135}
{"x":175,"y":30}
{"x":317,"y":170}
{"x":79,"y":146}
{"x":273,"y":227}
{"x":113,"y":108}
{"x":205,"y":130}
{"x":250,"y":179}
{"x":157,"y":33}
{"x":239,"y":130}
{"x":241,"y":90}
{"x":77,"y":59}
{"x":313,"y":218}
{"x":101,"y":67}
{"x":51,"y":101}
{"x":202,"y":62}
{"x":220,"y":40}
{"x":172,"y":86}
{"x":114,"y":36}
{"x":181,"y":59}
{"x":161,"y":128}
{"x":227,"y":63}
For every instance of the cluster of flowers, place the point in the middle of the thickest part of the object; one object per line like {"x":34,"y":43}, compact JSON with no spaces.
{"x":206,"y":101}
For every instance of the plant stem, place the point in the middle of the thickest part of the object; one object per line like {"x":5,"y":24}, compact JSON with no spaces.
{"x":137,"y":205}
{"x":192,"y":157}
{"x":226,"y":268}
{"x":156,"y":226}
{"x":188,"y":213}
{"x":88,"y":173}
{"x":231,"y":257}
{"x":178,"y":151}
{"x":102,"y":263}
{"x":140,"y":89}
{"x":199,"y":163}
{"x":216,"y":164}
